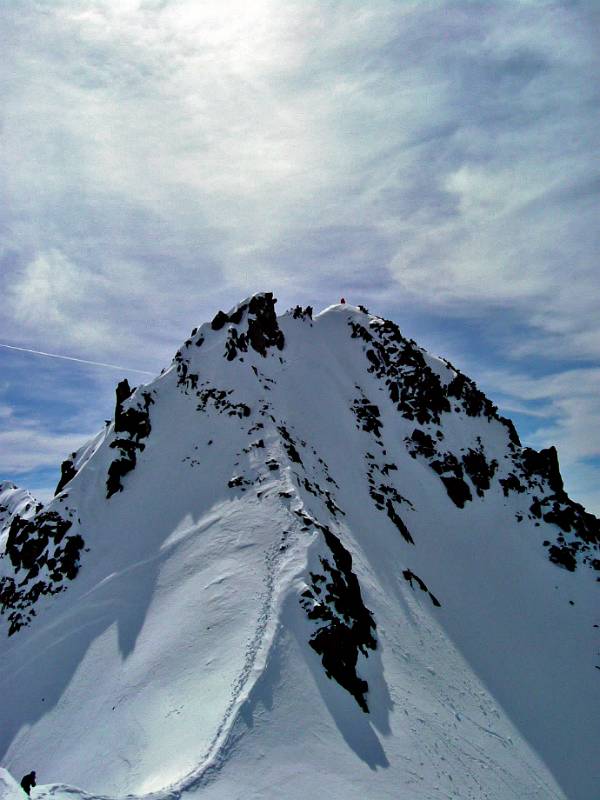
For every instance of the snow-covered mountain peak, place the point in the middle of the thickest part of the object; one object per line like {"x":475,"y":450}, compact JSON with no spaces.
{"x":308,"y":538}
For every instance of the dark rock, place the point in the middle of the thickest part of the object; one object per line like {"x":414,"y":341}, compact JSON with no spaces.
{"x":219,"y":321}
{"x":451,"y":475}
{"x":218,"y":398}
{"x":473,"y":401}
{"x":368,"y":415}
{"x":513,"y":436}
{"x":479,"y":470}
{"x":289,"y":444}
{"x":238,"y":315}
{"x":545,"y":464}
{"x":42,"y":556}
{"x":511,"y":484}
{"x":235,"y":344}
{"x":345,"y":624}
{"x":421,"y":443}
{"x":135,"y":422}
{"x":563,"y":556}
{"x":411,"y":576}
{"x":238,"y":480}
{"x":457,"y":489}
{"x":117,"y":470}
{"x":360,"y":332}
{"x":391,"y":512}
{"x":67,"y":473}
{"x":263,"y":329}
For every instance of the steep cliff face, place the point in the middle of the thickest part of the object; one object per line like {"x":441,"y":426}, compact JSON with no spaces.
{"x":309,"y":554}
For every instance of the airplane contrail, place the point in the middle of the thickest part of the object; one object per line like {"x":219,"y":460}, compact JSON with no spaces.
{"x":79,"y":360}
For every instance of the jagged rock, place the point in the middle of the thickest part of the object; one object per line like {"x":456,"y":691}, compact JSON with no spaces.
{"x":289,"y":444}
{"x":412,"y":385}
{"x":544,"y":464}
{"x":540,"y":470}
{"x":421,"y":443}
{"x":472,"y":399}
{"x":218,"y":399}
{"x":348,"y":625}
{"x":262,"y":330}
{"x":42,"y":556}
{"x":368,"y":415}
{"x":511,"y":484}
{"x":391,"y":512}
{"x":219,"y":321}
{"x":479,"y":470}
{"x":410,"y":577}
{"x":67,"y":473}
{"x":135,"y":422}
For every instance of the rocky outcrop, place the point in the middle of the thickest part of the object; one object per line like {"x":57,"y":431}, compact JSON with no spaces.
{"x":67,"y":473}
{"x":262,"y":329}
{"x":412,"y":578}
{"x":43,"y":555}
{"x":133,"y":423}
{"x":345,"y":626}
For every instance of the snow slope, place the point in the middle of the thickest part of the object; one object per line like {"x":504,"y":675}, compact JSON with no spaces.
{"x":308,"y":557}
{"x":9,"y":788}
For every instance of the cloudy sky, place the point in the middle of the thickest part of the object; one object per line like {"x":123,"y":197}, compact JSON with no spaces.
{"x":436,"y":161}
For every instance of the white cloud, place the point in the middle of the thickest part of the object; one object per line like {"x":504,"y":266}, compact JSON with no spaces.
{"x":56,"y":297}
{"x":568,"y":400}
{"x":164,"y":157}
{"x":28,"y":448}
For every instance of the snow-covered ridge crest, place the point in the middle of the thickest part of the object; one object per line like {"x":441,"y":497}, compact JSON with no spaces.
{"x":14,"y":500}
{"x":307,"y":523}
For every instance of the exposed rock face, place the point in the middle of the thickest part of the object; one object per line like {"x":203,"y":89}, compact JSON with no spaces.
{"x":479,"y":470}
{"x":345,"y":626}
{"x":540,"y":472}
{"x":67,"y":473}
{"x":43,"y":557}
{"x":419,"y":394}
{"x":410,"y":576}
{"x":412,"y":385}
{"x":262,"y":329}
{"x":133,"y":423}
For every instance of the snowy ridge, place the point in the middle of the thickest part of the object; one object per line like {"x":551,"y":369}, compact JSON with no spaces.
{"x":15,"y":501}
{"x":308,"y":556}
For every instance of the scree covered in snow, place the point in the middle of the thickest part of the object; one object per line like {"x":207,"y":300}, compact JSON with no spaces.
{"x":308,"y":560}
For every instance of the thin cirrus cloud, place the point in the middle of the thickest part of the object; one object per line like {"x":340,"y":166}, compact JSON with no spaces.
{"x":436,"y":159}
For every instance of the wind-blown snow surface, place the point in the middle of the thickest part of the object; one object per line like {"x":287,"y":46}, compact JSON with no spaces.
{"x":263,"y":515}
{"x":14,"y":500}
{"x":9,"y":788}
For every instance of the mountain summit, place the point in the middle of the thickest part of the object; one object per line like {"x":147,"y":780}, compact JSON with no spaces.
{"x":307,"y":559}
